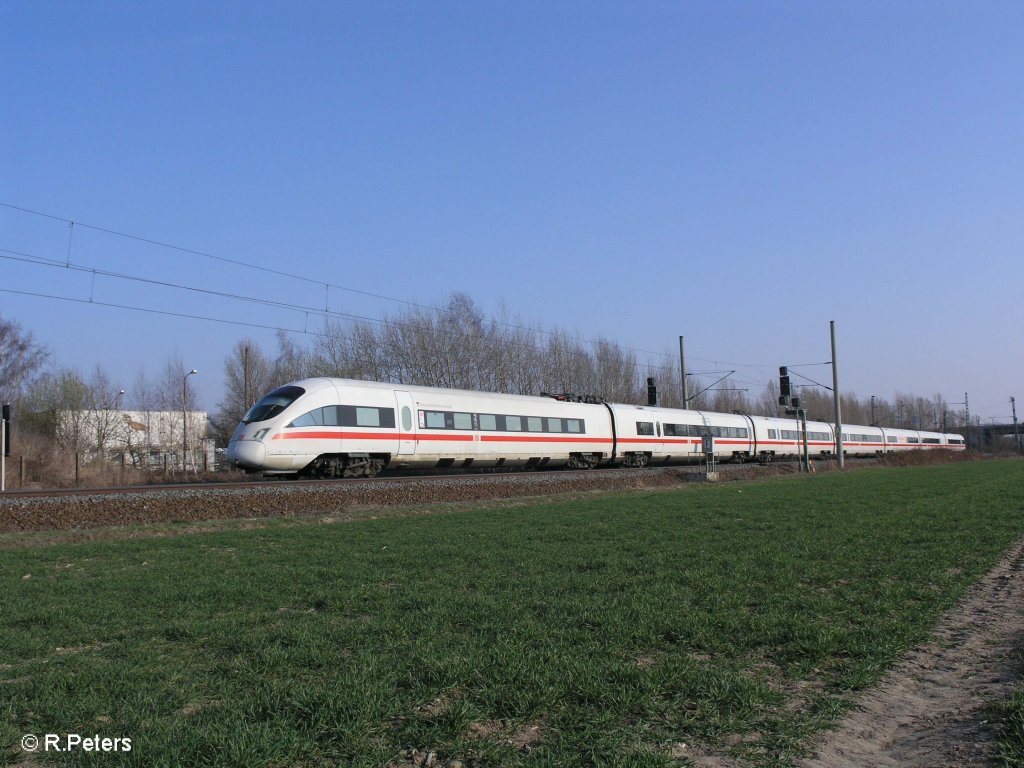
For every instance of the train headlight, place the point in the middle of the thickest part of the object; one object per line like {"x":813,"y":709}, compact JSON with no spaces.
{"x":259,"y":435}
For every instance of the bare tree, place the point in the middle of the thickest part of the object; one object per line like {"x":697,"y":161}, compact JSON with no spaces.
{"x":292,"y":362}
{"x":79,"y":414}
{"x":105,"y":415}
{"x":727,"y":397}
{"x":247,"y":378}
{"x":20,"y":359}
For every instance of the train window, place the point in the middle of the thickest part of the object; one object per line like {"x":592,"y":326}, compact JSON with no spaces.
{"x":359,"y":416}
{"x":645,"y":427}
{"x":462,"y":421}
{"x":406,"y":418}
{"x":863,"y":438}
{"x":534,"y":424}
{"x":275,"y":402}
{"x":932,"y":441}
{"x":773,"y":434}
{"x":488,"y":422}
{"x":314,"y":418}
{"x":554,"y":425}
{"x":367,"y":417}
{"x":513,"y":424}
{"x":573,"y":425}
{"x":435,"y":420}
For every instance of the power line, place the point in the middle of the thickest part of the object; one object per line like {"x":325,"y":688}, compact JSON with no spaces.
{"x":280,"y":273}
{"x":155,"y":311}
{"x":326,"y":312}
{"x":192,"y":251}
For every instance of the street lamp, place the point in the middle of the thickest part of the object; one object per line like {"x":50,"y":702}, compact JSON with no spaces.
{"x":184,"y":419}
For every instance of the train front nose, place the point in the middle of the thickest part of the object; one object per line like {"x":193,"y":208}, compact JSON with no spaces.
{"x":247,"y":454}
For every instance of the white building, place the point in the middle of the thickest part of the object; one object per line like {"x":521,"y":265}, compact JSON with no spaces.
{"x":144,"y":438}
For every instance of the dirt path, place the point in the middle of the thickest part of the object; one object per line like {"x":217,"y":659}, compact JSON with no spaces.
{"x":929,"y":711}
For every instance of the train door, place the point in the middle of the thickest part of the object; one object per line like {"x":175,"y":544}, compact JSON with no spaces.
{"x":704,"y":430}
{"x":406,"y":423}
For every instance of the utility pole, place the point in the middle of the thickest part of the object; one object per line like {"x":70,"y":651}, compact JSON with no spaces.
{"x":874,"y":421}
{"x":835,"y":398}
{"x":1016,"y":427}
{"x":682,"y":372}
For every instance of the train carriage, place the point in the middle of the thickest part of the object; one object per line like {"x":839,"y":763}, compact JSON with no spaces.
{"x":463,"y":428}
{"x":902,"y":440}
{"x":338,"y":428}
{"x":784,"y":438}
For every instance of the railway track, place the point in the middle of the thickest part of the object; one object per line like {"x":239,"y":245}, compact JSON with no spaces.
{"x":97,"y":508}
{"x":255,"y":484}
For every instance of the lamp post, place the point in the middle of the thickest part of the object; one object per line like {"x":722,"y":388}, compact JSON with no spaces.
{"x":184,"y":419}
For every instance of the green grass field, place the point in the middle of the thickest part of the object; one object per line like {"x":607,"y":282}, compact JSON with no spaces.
{"x":610,"y":630}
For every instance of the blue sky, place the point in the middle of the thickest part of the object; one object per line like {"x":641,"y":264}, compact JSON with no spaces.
{"x":738,"y":173}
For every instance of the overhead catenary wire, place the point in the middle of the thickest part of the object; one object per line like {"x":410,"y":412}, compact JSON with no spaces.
{"x":327,"y":314}
{"x":280,"y":273}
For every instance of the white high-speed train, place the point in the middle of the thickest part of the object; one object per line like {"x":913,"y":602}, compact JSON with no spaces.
{"x":343,"y":428}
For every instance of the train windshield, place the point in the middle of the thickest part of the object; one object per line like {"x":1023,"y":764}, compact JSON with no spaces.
{"x":273,"y":404}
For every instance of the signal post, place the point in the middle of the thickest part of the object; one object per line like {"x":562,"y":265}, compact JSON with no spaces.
{"x":793,"y":408}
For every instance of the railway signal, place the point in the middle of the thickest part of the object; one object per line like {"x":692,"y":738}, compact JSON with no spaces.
{"x":794,"y":408}
{"x":7,"y":428}
{"x":785,"y":390}
{"x":5,"y":443}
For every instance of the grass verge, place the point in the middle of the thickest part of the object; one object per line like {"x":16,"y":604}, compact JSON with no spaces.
{"x":634,"y":629}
